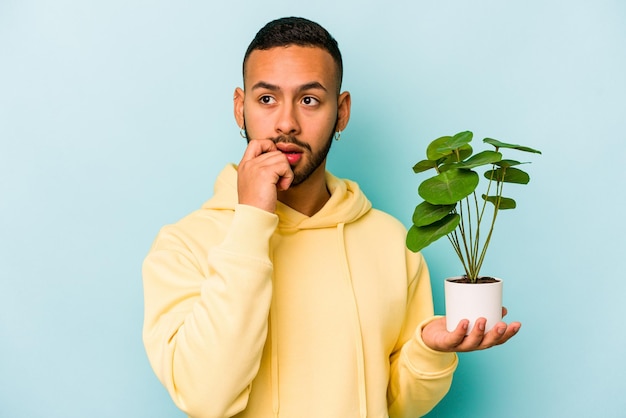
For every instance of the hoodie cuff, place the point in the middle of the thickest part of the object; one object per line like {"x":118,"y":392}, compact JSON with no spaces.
{"x":423,"y":360}
{"x":250,"y":232}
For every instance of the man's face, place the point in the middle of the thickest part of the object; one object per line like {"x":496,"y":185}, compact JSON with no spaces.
{"x":291,"y":98}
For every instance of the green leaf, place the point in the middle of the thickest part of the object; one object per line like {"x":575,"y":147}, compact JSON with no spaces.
{"x":424,"y":165}
{"x":508,"y":175}
{"x":463,"y":152}
{"x":482,"y":158}
{"x":499,"y":144}
{"x":419,"y":237}
{"x":446,"y":145}
{"x":438,"y":148}
{"x":448,"y":187}
{"x":505,"y":202}
{"x":508,"y":163}
{"x":461,"y":138}
{"x":426,"y":214}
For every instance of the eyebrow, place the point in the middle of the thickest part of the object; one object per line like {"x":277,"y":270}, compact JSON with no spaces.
{"x":313,"y":85}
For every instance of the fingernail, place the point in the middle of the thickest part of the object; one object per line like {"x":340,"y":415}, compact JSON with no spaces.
{"x":481,"y":326}
{"x":501,"y":330}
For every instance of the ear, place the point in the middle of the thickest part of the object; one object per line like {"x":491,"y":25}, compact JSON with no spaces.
{"x":344,"y":102}
{"x":238,"y":97}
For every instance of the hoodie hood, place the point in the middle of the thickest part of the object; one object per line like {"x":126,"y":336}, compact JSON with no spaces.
{"x":347,"y":202}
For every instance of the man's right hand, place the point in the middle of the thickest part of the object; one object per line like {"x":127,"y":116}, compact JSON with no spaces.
{"x":263,"y":171}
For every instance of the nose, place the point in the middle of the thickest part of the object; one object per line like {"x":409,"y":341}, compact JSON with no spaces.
{"x":287,"y":122}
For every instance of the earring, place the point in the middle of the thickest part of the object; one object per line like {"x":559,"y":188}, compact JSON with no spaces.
{"x":243,"y":134}
{"x":337,"y":135}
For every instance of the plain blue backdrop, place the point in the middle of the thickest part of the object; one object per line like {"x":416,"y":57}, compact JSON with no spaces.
{"x":116,"y":116}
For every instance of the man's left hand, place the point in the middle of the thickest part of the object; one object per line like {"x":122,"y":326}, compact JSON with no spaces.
{"x":436,"y":336}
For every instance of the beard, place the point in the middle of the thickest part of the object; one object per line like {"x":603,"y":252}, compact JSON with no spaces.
{"x":303,"y":172}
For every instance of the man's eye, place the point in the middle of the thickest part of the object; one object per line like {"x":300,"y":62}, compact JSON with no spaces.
{"x":310,"y":101}
{"x":266,"y":99}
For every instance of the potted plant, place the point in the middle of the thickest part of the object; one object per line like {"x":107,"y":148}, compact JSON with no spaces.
{"x":452,"y":208}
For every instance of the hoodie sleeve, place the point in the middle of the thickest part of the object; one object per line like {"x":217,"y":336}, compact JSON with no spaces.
{"x":419,"y":376}
{"x":205,"y":327}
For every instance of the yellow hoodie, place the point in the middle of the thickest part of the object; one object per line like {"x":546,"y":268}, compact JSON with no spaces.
{"x":254,"y":314}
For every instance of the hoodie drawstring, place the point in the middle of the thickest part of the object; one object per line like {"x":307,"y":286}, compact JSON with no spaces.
{"x":274,"y":360}
{"x":359,"y":351}
{"x":273,"y":325}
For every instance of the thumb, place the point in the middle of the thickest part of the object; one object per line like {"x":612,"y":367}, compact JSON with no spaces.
{"x":285,"y":180}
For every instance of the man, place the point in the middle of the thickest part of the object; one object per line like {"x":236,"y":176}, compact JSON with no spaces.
{"x":286,"y":294}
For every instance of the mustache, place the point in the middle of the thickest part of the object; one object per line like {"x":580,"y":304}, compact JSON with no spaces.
{"x":289,"y":139}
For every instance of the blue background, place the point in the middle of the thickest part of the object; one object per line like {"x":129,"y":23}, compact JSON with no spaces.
{"x":116,"y":116}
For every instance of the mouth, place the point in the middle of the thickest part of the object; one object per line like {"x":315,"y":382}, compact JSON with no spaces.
{"x":292,"y":152}
{"x":293,"y":157}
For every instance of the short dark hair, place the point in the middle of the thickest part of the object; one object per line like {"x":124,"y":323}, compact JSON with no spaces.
{"x":296,"y":31}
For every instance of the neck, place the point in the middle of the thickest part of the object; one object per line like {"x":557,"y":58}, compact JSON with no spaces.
{"x":309,"y":196}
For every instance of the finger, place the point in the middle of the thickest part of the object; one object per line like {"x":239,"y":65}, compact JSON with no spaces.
{"x":510,"y":332}
{"x":279,"y":165}
{"x":456,"y":337}
{"x":475,"y":338}
{"x":436,"y":336}
{"x":500,"y":334}
{"x":257,"y":147}
{"x":495,"y":336}
{"x":504,"y":311}
{"x":285,"y":179}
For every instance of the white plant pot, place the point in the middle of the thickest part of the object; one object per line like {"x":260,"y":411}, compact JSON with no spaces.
{"x":472,"y":301}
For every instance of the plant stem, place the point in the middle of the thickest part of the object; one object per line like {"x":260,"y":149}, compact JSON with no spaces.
{"x":480,"y":213}
{"x":499,"y":190}
{"x":467,"y":244}
{"x":454,"y":240}
{"x":476,"y":243}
